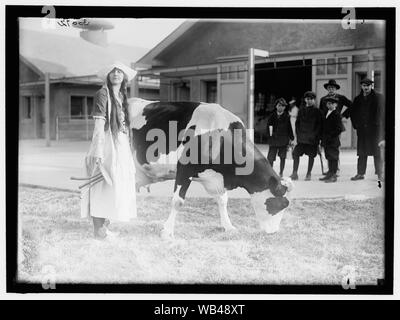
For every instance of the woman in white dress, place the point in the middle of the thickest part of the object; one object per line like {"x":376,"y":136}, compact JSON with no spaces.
{"x":114,"y":197}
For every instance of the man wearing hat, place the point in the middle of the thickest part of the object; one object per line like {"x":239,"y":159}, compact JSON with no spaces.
{"x":343,"y":104}
{"x":330,"y":140}
{"x":331,"y":86}
{"x":367,"y":117}
{"x":308,"y":133}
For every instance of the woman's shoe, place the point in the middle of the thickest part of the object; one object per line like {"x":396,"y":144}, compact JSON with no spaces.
{"x":100,"y":233}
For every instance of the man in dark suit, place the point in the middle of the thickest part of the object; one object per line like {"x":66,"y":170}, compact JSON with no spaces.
{"x":367,"y":117}
{"x":343,"y":104}
{"x":330,"y":140}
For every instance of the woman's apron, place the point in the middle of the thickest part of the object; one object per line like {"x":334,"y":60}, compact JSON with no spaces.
{"x":116,"y":202}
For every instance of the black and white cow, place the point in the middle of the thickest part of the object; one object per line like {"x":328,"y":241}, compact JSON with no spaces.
{"x":210,"y":145}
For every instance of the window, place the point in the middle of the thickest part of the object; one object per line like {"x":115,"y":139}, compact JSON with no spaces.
{"x":81,"y":106}
{"x":342,"y":66}
{"x":331,"y":66}
{"x":224,"y":73}
{"x":320,"y":66}
{"x":77,"y":107}
{"x":211,"y":91}
{"x":241,"y":72}
{"x":26,"y":108}
{"x":232,"y":72}
{"x":377,"y":81}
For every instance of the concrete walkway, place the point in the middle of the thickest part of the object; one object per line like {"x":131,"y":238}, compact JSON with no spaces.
{"x":53,"y":166}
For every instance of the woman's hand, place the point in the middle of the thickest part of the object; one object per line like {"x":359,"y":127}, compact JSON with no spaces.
{"x":93,"y":163}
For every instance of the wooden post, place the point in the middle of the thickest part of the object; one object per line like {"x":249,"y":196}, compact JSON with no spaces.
{"x":250,"y":112}
{"x":57,"y":129}
{"x":47,"y":108}
{"x":135,"y":87}
{"x":86,"y":118}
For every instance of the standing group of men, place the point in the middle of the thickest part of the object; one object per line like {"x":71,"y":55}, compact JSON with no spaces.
{"x":313,"y":127}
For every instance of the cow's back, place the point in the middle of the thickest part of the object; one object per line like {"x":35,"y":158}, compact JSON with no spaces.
{"x":158,"y":116}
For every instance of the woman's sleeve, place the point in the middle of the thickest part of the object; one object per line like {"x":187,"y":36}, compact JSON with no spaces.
{"x":99,"y":115}
{"x":100,"y":104}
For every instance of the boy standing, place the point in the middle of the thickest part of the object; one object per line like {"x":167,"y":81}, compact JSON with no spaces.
{"x":331,"y":130}
{"x":279,"y":133}
{"x":308,"y":133}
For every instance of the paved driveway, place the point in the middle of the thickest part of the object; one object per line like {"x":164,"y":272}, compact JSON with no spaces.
{"x":53,"y":166}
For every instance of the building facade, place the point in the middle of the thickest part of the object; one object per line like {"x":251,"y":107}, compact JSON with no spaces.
{"x":209,"y":61}
{"x":71,"y":65}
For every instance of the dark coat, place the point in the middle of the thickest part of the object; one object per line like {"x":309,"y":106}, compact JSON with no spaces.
{"x":309,"y":125}
{"x":343,"y":101}
{"x":282,"y":130}
{"x":331,"y":129}
{"x":367,"y":117}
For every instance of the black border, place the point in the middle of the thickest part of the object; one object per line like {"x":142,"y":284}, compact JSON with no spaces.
{"x":12,"y":93}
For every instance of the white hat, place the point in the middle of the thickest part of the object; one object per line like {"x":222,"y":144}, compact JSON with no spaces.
{"x":129,"y":72}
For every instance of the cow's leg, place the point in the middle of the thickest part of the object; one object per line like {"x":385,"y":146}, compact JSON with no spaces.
{"x":222,"y":201}
{"x":181,"y":186}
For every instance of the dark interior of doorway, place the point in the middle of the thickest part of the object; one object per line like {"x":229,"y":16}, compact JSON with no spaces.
{"x":287,"y":79}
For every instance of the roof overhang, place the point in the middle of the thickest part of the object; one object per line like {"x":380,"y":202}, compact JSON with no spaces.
{"x":149,"y":59}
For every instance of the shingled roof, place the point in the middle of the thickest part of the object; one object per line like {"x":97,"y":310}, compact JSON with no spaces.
{"x":65,"y":56}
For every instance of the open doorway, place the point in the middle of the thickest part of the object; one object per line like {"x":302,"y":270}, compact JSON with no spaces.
{"x":287,"y":79}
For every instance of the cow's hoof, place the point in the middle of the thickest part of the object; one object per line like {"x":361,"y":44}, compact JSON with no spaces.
{"x":230,"y":229}
{"x":167,"y":235}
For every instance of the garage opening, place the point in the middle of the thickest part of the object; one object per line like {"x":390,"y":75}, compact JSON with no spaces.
{"x":287,"y":79}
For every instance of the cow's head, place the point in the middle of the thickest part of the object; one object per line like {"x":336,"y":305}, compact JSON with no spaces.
{"x":270,"y":205}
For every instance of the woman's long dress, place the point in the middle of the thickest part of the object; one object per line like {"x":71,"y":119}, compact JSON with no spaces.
{"x":116,"y":202}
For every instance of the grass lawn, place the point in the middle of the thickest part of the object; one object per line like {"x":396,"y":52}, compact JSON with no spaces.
{"x":316,"y":241}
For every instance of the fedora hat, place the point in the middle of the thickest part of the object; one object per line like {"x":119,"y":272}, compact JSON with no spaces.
{"x":129,"y":72}
{"x":331,"y":82}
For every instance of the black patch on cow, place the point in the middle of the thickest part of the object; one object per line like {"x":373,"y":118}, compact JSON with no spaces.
{"x":276,"y":204}
{"x":157,"y":116}
{"x":262,"y":177}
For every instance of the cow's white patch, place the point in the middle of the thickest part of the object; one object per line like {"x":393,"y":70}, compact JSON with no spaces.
{"x":222,"y":201}
{"x":169,"y":225}
{"x":169,"y":159}
{"x":212,"y":181}
{"x":269,"y":223}
{"x":135,"y":112}
{"x":211,"y":116}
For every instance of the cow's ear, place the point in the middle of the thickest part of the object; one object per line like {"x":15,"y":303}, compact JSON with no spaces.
{"x":276,"y":204}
